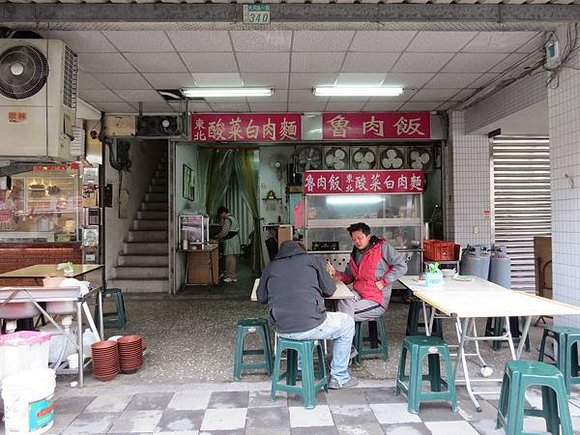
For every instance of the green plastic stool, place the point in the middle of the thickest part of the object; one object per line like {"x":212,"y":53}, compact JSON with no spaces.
{"x":381,"y":349}
{"x":568,"y":340}
{"x":411,"y":385}
{"x":517,"y":378}
{"x":117,"y":318}
{"x":249,"y":326}
{"x":312,"y":380}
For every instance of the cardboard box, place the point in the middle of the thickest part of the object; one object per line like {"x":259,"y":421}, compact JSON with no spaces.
{"x":285,"y":232}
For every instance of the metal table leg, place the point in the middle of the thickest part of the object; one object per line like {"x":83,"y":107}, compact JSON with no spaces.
{"x":426,"y":319}
{"x":80,"y":341}
{"x":461,"y":357}
{"x":523,"y":337}
{"x":100,"y":311}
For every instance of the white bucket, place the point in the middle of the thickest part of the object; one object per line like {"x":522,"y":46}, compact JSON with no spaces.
{"x":23,"y":350}
{"x":73,"y":361}
{"x":28,"y":406}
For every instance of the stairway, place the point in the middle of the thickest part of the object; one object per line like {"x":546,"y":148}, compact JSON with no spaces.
{"x":143,"y":266}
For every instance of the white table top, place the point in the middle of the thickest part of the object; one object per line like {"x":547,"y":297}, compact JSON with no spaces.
{"x":44,"y":270}
{"x":450,"y":284}
{"x":481,"y":298}
{"x":342,"y":291}
{"x":42,"y":294}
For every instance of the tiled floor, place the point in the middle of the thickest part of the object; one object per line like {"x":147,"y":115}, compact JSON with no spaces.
{"x":185,"y":385}
{"x":245,"y":408}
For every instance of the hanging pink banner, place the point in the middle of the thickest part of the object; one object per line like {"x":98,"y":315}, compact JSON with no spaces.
{"x":376,"y":125}
{"x":380,"y":181}
{"x":238,"y":127}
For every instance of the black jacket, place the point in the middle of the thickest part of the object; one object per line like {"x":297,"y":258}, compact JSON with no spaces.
{"x":294,"y":286}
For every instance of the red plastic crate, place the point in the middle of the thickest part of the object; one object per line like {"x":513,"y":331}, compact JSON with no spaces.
{"x":439,"y":250}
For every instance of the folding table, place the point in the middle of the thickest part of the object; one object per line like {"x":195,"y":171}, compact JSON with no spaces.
{"x":466,"y":300}
{"x":36,"y":295}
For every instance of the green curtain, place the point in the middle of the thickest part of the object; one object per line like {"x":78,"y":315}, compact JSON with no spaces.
{"x":220,"y":166}
{"x":202,"y":181}
{"x":245,"y":165}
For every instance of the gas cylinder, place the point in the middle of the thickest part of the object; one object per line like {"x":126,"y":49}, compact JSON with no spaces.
{"x":500,"y":266}
{"x":475,"y":261}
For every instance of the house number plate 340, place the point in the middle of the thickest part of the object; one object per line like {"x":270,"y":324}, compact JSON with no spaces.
{"x":257,"y":14}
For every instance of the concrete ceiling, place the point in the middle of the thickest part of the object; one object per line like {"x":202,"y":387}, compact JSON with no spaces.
{"x":438,"y":69}
{"x":445,"y":56}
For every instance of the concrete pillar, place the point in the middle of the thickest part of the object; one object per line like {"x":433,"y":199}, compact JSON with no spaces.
{"x":468,"y":203}
{"x":564,"y":118}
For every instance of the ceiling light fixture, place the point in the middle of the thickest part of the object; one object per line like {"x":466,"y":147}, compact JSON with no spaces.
{"x":357,"y":91}
{"x":226,"y":92}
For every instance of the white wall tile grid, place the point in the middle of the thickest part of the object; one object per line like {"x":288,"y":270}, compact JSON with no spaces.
{"x":448,"y":200}
{"x":513,"y":98}
{"x":564,"y":118}
{"x":471,"y":184}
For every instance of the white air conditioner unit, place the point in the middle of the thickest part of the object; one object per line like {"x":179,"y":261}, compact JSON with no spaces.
{"x":38,"y":99}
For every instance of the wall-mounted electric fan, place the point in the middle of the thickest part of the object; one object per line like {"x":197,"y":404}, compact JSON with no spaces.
{"x":336,"y":157}
{"x":392,"y":157}
{"x":363,"y":158}
{"x":278,"y":164}
{"x":421,"y":158}
{"x":308,"y":158}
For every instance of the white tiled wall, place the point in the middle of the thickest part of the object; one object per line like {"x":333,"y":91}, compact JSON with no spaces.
{"x":513,"y":98}
{"x":470,"y":194}
{"x":448,"y":203}
{"x":564,"y":113}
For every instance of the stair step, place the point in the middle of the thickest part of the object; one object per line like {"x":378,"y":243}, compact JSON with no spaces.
{"x":144,"y":272}
{"x":157,"y":188}
{"x":160,"y":173}
{"x":147,"y":236}
{"x":156,"y":197}
{"x":153,"y":206}
{"x":158,"y":248}
{"x":159,"y":181}
{"x":142,"y":224}
{"x":143,"y":260}
{"x":152,"y":215}
{"x":140,"y":285}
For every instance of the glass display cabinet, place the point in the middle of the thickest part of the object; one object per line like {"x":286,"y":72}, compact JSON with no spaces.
{"x":396,"y":217}
{"x":194,"y":230}
{"x":42,"y":205}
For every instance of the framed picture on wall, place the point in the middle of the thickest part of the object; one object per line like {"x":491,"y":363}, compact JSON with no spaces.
{"x":188,"y":183}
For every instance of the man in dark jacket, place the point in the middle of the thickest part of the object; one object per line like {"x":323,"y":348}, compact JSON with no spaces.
{"x":294,"y":286}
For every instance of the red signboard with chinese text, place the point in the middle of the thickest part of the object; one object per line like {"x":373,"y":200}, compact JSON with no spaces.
{"x":71,"y":165}
{"x":376,"y":125}
{"x":238,"y":127}
{"x":379,"y":181}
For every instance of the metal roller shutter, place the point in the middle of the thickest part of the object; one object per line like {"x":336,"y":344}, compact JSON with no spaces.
{"x":521,"y":196}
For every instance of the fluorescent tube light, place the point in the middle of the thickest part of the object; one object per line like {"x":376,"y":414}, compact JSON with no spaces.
{"x":357,"y":91}
{"x":353,"y":199}
{"x":226,"y":92}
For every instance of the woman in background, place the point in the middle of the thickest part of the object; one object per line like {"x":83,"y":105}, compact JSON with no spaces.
{"x":229,"y":235}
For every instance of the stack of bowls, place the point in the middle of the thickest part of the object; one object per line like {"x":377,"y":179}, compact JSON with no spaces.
{"x":105,"y":359}
{"x":130,"y":353}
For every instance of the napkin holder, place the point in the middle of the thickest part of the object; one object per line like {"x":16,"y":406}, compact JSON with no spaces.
{"x":433,"y":278}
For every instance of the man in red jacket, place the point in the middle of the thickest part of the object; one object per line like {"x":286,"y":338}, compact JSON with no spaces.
{"x":373,"y":267}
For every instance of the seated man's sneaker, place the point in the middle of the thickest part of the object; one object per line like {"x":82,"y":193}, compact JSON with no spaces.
{"x":230,"y":280}
{"x":333,"y":384}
